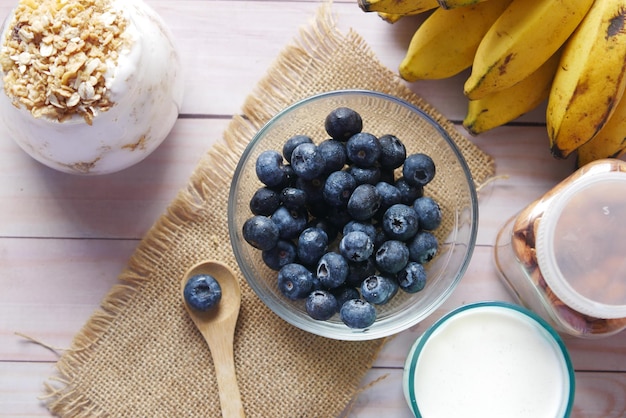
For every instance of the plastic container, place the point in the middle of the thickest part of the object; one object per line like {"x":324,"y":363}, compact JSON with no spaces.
{"x":564,"y":255}
{"x":489,"y":359}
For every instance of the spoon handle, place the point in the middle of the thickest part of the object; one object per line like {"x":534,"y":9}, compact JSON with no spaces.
{"x":224,"y":361}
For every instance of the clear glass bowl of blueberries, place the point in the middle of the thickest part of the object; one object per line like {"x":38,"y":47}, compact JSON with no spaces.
{"x":352,"y":215}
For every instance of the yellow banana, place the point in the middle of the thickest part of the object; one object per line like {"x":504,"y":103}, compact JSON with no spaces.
{"x":445,"y":43}
{"x":591,"y":78}
{"x":398,"y":7}
{"x":610,"y":141}
{"x":503,"y":106}
{"x":394,"y":17}
{"x":526,"y":34}
{"x":453,"y":4}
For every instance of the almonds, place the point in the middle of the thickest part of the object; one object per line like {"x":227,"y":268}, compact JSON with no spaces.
{"x":54,"y":56}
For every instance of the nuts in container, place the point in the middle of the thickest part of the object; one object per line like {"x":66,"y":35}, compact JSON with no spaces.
{"x":564,"y":255}
{"x":89,"y":86}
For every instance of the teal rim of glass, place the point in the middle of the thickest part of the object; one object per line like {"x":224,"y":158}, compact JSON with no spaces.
{"x":543,"y":323}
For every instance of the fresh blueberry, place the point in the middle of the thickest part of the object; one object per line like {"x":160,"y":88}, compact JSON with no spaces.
{"x":338,"y":216}
{"x":312,"y":245}
{"x":364,"y":202}
{"x":334,"y":154}
{"x":344,"y":294}
{"x":313,"y":189}
{"x":321,"y":305}
{"x":423,"y":247}
{"x":365,"y":175}
{"x":408,"y":192}
{"x":264,"y":201}
{"x":332,"y":270}
{"x":389,"y":196}
{"x":292,"y":143}
{"x":293,"y":198}
{"x":356,"y":246}
{"x":307,"y":162}
{"x":338,"y":188}
{"x":295,"y":281}
{"x":290,"y":223}
{"x":357,"y":313}
{"x":400,"y":222}
{"x":359,"y":271}
{"x":378,"y":289}
{"x":260,"y":232}
{"x":392,"y":256}
{"x":342,"y":123}
{"x":283,"y":253}
{"x":270,"y":169}
{"x":418,"y":169}
{"x":412,"y":278}
{"x":363,"y":149}
{"x":393,"y":152}
{"x":366,"y":227}
{"x":202,"y":292}
{"x":428,"y":212}
{"x":326,"y":226}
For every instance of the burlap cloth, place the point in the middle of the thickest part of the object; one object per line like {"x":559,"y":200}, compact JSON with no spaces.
{"x":141,"y":356}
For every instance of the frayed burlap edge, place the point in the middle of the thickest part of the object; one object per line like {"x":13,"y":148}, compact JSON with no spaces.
{"x":214,"y":170}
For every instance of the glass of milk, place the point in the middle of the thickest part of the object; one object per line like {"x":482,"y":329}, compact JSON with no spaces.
{"x":489,"y":359}
{"x":89,"y":86}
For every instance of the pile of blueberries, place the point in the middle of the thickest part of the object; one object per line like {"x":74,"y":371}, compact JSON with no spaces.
{"x":341,"y":230}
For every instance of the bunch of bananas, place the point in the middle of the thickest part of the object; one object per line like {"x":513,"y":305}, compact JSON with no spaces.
{"x":571,"y":53}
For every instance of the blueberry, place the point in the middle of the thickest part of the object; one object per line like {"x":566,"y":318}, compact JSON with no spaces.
{"x":356,"y":246}
{"x":412,"y":278}
{"x":332,"y":270}
{"x":363,"y":149}
{"x":295,"y":281}
{"x":307,"y":162}
{"x":409,"y":193}
{"x":270,"y":169}
{"x":392,"y":256}
{"x":293,"y":198}
{"x":342,"y":123}
{"x":357,"y":313}
{"x":202,"y":292}
{"x":260,"y":232}
{"x":326,"y":226}
{"x":400,"y":222}
{"x":393,"y":152}
{"x":344,"y":294}
{"x":292,"y":143}
{"x":389,"y":196}
{"x":366,"y":227}
{"x":364,"y":202}
{"x":312,"y":245}
{"x":423,"y":247}
{"x":334,"y":154}
{"x":264,"y":201}
{"x":429,"y":213}
{"x":359,"y":271}
{"x":378,"y":289}
{"x":418,"y":169}
{"x":313,"y":189}
{"x":365,"y":175}
{"x":338,"y":217}
{"x":321,"y":305}
{"x":283,"y":253}
{"x":338,"y":188}
{"x":290,"y":223}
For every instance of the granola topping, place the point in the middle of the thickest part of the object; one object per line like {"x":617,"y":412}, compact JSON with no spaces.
{"x":55,"y":55}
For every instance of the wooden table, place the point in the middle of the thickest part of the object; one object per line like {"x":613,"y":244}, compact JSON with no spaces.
{"x":64,"y":239}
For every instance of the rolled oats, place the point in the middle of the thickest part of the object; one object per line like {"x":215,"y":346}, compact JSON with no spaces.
{"x":54,"y":54}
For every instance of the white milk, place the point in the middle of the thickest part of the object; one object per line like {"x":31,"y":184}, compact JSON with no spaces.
{"x":488,"y":361}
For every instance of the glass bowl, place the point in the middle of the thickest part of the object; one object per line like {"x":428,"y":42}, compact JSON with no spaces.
{"x":453,"y":188}
{"x":489,"y":359}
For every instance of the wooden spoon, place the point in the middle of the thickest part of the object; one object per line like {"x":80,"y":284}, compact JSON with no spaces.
{"x":217,"y":326}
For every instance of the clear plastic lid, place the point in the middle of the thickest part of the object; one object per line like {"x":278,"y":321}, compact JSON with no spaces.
{"x":581,"y":245}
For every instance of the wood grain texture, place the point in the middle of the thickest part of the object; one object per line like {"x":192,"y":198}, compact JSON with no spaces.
{"x":64,"y":239}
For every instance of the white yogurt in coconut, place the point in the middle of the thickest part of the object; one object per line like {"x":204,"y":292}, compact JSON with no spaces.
{"x":489,"y":360}
{"x":140,"y":82}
